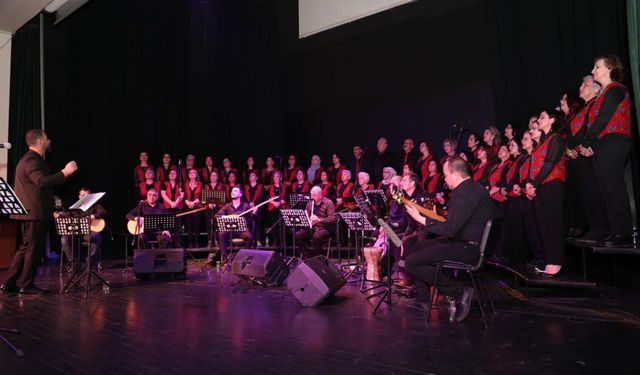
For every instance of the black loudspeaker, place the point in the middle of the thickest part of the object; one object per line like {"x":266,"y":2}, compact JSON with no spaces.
{"x":163,"y":261}
{"x":314,"y":280}
{"x":261,"y":265}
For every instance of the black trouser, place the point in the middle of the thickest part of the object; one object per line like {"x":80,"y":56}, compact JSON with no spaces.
{"x":224,"y":239}
{"x":550,"y":218}
{"x":512,"y":230}
{"x":573,"y":207}
{"x":609,"y":158}
{"x":532,"y":230}
{"x":591,"y":200}
{"x":192,"y":223}
{"x":421,"y":265}
{"x":25,"y":261}
{"x":318,"y":235}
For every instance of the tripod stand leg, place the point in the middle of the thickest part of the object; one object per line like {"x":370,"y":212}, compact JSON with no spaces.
{"x":18,"y":352}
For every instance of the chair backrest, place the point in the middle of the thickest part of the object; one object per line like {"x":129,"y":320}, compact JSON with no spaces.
{"x":488,"y":237}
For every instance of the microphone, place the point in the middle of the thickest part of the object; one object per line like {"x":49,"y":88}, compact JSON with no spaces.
{"x":6,"y":145}
{"x":179,"y":162}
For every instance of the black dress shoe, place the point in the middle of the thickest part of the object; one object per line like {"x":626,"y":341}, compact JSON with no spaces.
{"x":463,"y":304}
{"x":33,"y":290}
{"x":8,"y":288}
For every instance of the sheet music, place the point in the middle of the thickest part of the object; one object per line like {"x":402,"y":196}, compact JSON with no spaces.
{"x":87,"y":202}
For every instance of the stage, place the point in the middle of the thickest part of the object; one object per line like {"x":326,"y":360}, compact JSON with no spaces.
{"x":212,"y":323}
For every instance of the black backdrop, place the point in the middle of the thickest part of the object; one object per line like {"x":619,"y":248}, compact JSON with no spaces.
{"x":231,"y":78}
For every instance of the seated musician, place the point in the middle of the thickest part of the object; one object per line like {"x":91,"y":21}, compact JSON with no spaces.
{"x":413,"y":230}
{"x":150,"y":206}
{"x":234,"y":208}
{"x":95,"y":212}
{"x":470,"y":208}
{"x":321,"y":213}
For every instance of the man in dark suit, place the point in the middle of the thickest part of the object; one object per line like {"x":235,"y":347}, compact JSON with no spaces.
{"x":33,"y":185}
{"x":470,"y":208}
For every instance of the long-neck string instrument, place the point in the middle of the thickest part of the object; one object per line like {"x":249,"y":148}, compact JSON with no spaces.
{"x":431,"y":210}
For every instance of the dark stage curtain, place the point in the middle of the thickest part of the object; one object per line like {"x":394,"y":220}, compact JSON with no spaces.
{"x":24,"y":97}
{"x":539,"y":49}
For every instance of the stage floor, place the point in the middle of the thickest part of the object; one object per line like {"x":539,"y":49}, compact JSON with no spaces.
{"x":212,"y":324}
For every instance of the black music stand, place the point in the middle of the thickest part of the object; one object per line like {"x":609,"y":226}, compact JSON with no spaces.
{"x":297,"y":200}
{"x":357,"y":222}
{"x":231,"y":224}
{"x":156,"y":223}
{"x":294,"y":218}
{"x":378,"y":199}
{"x":10,"y":205}
{"x":385,"y":295}
{"x":80,"y":226}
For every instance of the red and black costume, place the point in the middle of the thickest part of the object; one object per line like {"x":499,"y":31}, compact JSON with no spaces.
{"x":290,"y":174}
{"x":300,"y":188}
{"x":162,"y":173}
{"x":255,"y":194}
{"x":172,"y":192}
{"x":266,"y":176}
{"x":143,"y":188}
{"x":193,"y":221}
{"x":205,"y":172}
{"x":547,"y":174}
{"x":138,"y":174}
{"x":185,"y":174}
{"x":422,"y":166}
{"x":495,"y":176}
{"x":608,"y":132}
{"x":335,"y":173}
{"x":345,"y":192}
{"x":481,"y":173}
{"x":224,"y":176}
{"x":328,"y":191}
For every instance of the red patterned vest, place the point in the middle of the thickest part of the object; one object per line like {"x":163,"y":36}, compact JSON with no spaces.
{"x":537,"y":159}
{"x":579,"y":118}
{"x":620,"y":122}
{"x":272,"y":193}
{"x":524,"y":169}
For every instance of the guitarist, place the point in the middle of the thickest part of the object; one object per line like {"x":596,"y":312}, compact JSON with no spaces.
{"x":149,"y":206}
{"x":470,"y":208}
{"x":235,"y":207}
{"x":96,"y":212}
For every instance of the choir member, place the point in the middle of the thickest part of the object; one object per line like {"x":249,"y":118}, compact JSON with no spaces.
{"x":209,"y":166}
{"x":162,"y":172}
{"x":148,"y":183}
{"x":192,"y":190}
{"x":267,"y":172}
{"x":336,"y":168}
{"x":141,"y":167}
{"x":426,"y":155}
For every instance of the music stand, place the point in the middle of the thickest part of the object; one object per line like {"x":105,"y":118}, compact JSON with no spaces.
{"x":299,"y":200}
{"x":231,"y":224}
{"x":81,"y":225}
{"x":10,"y":205}
{"x":294,"y":218}
{"x":159,"y":222}
{"x":391,"y":236}
{"x":356,"y":221}
{"x":219,"y":196}
{"x":378,"y":199}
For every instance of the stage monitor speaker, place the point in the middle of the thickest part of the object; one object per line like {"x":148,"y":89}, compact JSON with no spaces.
{"x":314,"y":280}
{"x":162,"y":261}
{"x":261,"y":265}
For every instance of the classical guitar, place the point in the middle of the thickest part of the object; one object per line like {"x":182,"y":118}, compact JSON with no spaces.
{"x":432,"y":212}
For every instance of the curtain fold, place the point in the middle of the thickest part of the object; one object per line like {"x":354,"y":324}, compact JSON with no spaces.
{"x":24,"y":97}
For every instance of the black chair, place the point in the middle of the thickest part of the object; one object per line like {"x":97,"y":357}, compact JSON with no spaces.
{"x":490,"y":231}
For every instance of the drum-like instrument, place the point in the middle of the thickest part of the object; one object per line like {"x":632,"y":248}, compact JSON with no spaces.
{"x":372,"y":256}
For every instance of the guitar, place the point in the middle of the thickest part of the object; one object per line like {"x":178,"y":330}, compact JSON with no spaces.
{"x":97,"y":225}
{"x":433,"y":212}
{"x":133,"y":228}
